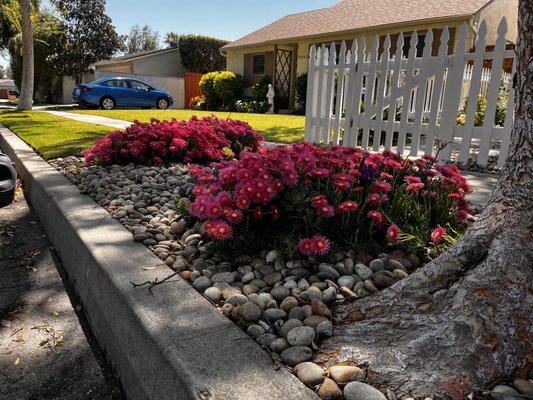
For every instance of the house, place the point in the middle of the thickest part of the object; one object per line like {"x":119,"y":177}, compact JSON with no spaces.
{"x":159,"y":68}
{"x":7,"y":89}
{"x":281,"y":49}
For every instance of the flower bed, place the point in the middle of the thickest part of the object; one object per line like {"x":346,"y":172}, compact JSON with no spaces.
{"x":197,"y":140}
{"x":283,"y":299}
{"x":309,"y":197}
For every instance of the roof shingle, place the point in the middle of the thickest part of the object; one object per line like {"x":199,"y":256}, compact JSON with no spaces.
{"x":350,"y":15}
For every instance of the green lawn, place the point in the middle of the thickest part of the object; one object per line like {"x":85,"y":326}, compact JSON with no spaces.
{"x":52,"y":136}
{"x":274,"y":127}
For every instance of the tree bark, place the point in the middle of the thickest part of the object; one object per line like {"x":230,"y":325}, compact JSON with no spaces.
{"x":26,"y":90}
{"x":462,"y":321}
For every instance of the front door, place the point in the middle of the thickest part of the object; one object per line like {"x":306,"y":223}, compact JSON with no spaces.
{"x":282,"y":77}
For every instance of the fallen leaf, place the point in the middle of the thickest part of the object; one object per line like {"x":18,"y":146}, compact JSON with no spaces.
{"x":56,"y":313}
{"x":17,"y":361}
{"x":149,"y":268}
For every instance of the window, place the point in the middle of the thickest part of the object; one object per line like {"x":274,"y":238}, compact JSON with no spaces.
{"x":258,"y":64}
{"x":138,"y":85}
{"x":117,"y":83}
{"x":419,"y":46}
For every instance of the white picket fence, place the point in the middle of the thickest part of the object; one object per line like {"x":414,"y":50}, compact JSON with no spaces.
{"x":357,"y":97}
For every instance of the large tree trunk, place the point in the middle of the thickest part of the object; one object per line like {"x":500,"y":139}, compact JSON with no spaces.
{"x":26,"y":90}
{"x":462,"y":321}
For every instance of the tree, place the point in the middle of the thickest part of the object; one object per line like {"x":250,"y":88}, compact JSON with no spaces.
{"x":463,"y":320}
{"x":2,"y":72}
{"x":90,"y":36}
{"x":26,"y":87}
{"x":142,"y":39}
{"x":198,"y":53}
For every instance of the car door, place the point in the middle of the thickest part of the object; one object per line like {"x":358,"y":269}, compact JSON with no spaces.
{"x":119,"y":90}
{"x":142,"y":94}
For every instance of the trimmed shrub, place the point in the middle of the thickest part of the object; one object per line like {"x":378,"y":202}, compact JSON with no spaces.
{"x":221,"y":88}
{"x":286,"y":196}
{"x":301,"y":91}
{"x":197,"y":140}
{"x":251,"y":106}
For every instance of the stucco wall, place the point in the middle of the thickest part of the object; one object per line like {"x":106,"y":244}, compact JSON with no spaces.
{"x":161,"y":64}
{"x":493,"y":14}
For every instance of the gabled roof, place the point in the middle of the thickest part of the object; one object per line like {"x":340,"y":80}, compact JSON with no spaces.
{"x":351,"y":15}
{"x":134,"y":56}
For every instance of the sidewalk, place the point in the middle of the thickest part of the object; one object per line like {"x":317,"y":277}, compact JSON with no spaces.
{"x":44,"y":353}
{"x":92,"y":119}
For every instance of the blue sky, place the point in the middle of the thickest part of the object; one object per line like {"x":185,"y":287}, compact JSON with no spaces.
{"x":226,"y":19}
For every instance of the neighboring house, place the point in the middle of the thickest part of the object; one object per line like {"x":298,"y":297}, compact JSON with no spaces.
{"x":159,"y":68}
{"x":7,"y":88}
{"x":281,"y":49}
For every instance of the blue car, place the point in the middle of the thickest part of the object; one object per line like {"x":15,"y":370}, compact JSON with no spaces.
{"x":109,"y":93}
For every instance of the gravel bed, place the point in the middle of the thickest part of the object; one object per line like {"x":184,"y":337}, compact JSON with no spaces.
{"x":285,"y":305}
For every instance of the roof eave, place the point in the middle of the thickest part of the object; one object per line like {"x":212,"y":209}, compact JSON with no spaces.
{"x":454,"y":18}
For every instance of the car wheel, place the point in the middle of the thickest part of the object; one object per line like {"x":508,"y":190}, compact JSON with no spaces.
{"x":162,"y":104}
{"x":107,"y":103}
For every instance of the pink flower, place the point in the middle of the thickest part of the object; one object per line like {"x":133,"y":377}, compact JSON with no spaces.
{"x":219,"y":230}
{"x":385,"y":176}
{"x":374,"y":199}
{"x":412,"y":179}
{"x":320,"y":245}
{"x":414,"y":187}
{"x":319,"y":201}
{"x":306,"y":247}
{"x":393,"y":233}
{"x":233,"y":216}
{"x":438,"y":234}
{"x":258,"y":214}
{"x":375,"y":216}
{"x":326,"y":211}
{"x":347,"y":206}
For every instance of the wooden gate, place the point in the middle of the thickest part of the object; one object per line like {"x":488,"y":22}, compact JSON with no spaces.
{"x":376,"y":100}
{"x":192,"y":87}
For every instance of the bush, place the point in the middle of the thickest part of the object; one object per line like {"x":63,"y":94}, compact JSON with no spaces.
{"x":286,"y":196}
{"x":301,"y":90}
{"x":481,"y":109}
{"x":200,"y":53}
{"x":251,"y":106}
{"x":260,"y":89}
{"x":197,"y":140}
{"x":221,"y":88}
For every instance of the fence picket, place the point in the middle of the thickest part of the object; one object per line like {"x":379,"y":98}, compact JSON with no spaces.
{"x":393,"y":99}
{"x":406,"y":92}
{"x":355,"y":105}
{"x":492,"y":95}
{"x":509,"y":116}
{"x":419,"y":99}
{"x":475,"y":73}
{"x":310,"y":104}
{"x":369,"y":90}
{"x":437,"y":92}
{"x":340,"y":93}
{"x":350,"y":91}
{"x":382,"y":86}
{"x":429,"y":89}
{"x":452,"y":96}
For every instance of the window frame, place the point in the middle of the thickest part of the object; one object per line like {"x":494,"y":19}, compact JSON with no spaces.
{"x":264,"y":55}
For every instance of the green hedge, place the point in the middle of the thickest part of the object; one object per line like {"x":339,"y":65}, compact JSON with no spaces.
{"x":221,"y":88}
{"x":201,"y":53}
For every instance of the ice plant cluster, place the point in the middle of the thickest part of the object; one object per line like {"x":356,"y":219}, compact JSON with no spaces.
{"x":325,"y":195}
{"x":197,"y":140}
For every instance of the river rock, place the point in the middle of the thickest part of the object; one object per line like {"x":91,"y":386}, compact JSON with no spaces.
{"x":273,"y":314}
{"x":279,"y":345}
{"x":309,"y":373}
{"x":320,"y":308}
{"x":279,"y":293}
{"x":202,"y":283}
{"x":301,"y":336}
{"x":296,"y":355}
{"x":314,"y":320}
{"x":363,"y":271}
{"x":324,"y":329}
{"x":343,"y":374}
{"x":503,"y":392}
{"x":524,"y":386}
{"x":362,"y":391}
{"x":329,"y":390}
{"x":214,"y":294}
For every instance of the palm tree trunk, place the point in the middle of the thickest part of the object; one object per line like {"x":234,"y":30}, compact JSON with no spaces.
{"x":464,"y":320}
{"x":26,"y":90}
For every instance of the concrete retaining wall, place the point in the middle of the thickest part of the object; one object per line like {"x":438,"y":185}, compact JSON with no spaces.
{"x":170,"y":345}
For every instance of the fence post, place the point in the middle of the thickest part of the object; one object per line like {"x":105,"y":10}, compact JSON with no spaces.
{"x":310,"y":100}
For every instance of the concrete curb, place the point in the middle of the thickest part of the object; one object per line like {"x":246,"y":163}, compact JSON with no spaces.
{"x":172,"y":345}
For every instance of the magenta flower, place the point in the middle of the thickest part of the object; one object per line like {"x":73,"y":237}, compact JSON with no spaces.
{"x":437,"y":236}
{"x":393,"y":233}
